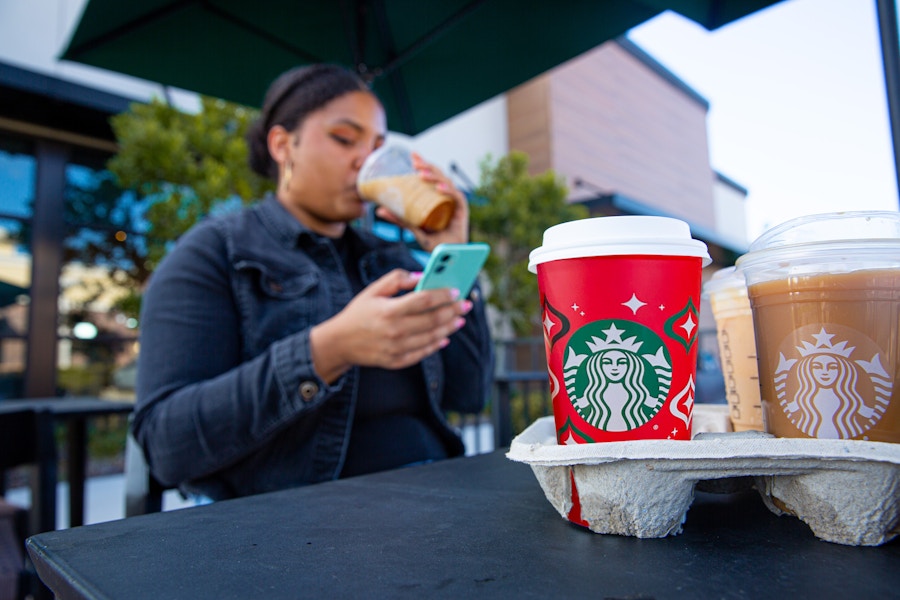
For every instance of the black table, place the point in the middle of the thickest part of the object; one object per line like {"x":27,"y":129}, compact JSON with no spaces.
{"x":74,"y":411}
{"x":469,"y":527}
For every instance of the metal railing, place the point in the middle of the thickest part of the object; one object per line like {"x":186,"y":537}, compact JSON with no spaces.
{"x":520,"y":394}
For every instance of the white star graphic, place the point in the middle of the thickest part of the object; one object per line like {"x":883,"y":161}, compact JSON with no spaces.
{"x":613,"y":334}
{"x":548,"y":323}
{"x":581,"y":313}
{"x":569,"y":439}
{"x":823,"y":338}
{"x":689,"y":325}
{"x":575,"y":306}
{"x":662,"y":307}
{"x":674,"y":432}
{"x":634,"y":304}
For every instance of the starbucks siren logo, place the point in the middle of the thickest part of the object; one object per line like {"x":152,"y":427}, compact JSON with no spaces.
{"x":617,"y":374}
{"x":823,"y":390}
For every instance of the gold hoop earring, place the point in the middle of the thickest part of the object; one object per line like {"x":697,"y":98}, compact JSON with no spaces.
{"x":286,"y":177}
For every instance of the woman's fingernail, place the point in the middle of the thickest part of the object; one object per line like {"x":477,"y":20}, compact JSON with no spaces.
{"x":458,"y":324}
{"x":445,"y":342}
{"x":442,"y":186}
{"x":415,"y":275}
{"x":454,"y":293}
{"x":466,"y":306}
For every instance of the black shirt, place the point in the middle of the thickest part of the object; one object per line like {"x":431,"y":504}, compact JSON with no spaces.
{"x":391,"y":425}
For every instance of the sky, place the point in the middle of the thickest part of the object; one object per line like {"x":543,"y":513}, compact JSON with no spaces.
{"x":798,"y":111}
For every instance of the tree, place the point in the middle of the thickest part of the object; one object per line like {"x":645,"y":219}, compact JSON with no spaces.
{"x":519,"y":207}
{"x":185,"y":166}
{"x":187,"y":163}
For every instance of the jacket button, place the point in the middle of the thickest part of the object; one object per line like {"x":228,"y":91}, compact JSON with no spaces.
{"x":308,"y":390}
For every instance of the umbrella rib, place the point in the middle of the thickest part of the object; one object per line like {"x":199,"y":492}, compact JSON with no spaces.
{"x":398,"y":60}
{"x":262,"y":33}
{"x":125,"y":29}
{"x":357,"y":42}
{"x":395,"y":78}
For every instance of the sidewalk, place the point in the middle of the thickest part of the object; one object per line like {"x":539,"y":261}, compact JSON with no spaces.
{"x":104,"y":501}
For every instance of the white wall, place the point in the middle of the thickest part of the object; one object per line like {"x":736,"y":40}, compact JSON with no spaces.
{"x":730,"y":209}
{"x":33,"y":33}
{"x":466,"y":139}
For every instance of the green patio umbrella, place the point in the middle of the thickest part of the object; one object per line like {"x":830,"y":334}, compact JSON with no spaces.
{"x":427,"y":60}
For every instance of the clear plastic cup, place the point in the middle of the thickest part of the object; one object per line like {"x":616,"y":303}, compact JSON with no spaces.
{"x":620,"y":299}
{"x":825,"y":295}
{"x":388,"y":179}
{"x":727,"y":293}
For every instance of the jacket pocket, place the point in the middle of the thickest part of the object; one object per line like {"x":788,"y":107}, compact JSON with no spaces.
{"x":275,"y":305}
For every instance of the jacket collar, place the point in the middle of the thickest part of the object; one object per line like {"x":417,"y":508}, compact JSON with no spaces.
{"x":289,"y":232}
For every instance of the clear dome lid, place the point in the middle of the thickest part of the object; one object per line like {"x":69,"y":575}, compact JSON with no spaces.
{"x":824,"y":243}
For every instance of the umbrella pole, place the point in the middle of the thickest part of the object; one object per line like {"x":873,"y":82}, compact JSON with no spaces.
{"x":890,"y":54}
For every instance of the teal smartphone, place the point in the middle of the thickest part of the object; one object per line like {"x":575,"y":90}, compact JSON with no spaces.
{"x":454,"y":266}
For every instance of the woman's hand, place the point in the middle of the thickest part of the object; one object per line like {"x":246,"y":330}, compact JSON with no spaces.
{"x":457,"y":232}
{"x":379,"y":329}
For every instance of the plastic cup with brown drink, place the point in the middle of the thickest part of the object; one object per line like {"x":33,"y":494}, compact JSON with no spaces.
{"x":825,"y":295}
{"x":727,"y":293}
{"x":389,"y":179}
{"x":620,"y":301}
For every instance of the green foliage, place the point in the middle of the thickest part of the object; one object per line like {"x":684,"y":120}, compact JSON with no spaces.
{"x":186,"y":163}
{"x":84,"y":381}
{"x":519,"y":208}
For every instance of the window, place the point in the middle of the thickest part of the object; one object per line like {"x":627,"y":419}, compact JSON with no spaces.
{"x":17,"y":179}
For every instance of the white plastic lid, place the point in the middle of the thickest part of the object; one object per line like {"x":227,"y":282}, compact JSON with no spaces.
{"x":617,"y":236}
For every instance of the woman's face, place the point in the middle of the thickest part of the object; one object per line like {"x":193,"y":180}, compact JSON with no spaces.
{"x":326,"y":152}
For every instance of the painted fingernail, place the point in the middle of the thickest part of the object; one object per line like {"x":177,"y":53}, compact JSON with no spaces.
{"x":466,"y":306}
{"x":415,"y":275}
{"x":442,"y":186}
{"x":454,"y":292}
{"x":459,"y":323}
{"x":445,"y":342}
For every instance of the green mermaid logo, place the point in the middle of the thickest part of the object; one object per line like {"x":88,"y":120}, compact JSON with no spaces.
{"x":617,"y":374}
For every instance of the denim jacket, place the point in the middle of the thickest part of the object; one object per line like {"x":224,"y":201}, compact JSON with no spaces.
{"x":228,"y":402}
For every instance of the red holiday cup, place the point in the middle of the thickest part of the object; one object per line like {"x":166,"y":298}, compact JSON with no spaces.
{"x":619,"y":304}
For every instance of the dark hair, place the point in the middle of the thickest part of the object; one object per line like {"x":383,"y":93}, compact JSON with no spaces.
{"x":290,"y":98}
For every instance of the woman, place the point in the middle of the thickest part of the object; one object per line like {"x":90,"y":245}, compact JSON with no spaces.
{"x":282,"y":347}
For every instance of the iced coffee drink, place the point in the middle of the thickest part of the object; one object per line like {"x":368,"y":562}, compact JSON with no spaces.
{"x":730,"y":305}
{"x":389,"y":179}
{"x":825,"y":293}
